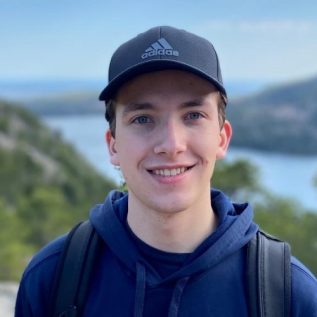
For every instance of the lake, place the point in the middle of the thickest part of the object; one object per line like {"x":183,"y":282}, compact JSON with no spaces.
{"x":286,"y":175}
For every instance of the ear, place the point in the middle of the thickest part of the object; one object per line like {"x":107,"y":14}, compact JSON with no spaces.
{"x":225,"y":137}
{"x":111,"y":143}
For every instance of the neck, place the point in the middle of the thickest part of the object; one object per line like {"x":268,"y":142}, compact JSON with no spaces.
{"x":179,"y":232}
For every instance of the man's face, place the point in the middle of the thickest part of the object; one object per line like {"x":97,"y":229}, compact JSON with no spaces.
{"x":167,"y":139}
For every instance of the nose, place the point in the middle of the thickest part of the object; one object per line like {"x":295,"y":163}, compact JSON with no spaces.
{"x":171,"y":139}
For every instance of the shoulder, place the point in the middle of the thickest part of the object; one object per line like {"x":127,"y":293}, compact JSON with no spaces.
{"x":46,"y":256}
{"x":304,"y":290}
{"x":37,"y":279}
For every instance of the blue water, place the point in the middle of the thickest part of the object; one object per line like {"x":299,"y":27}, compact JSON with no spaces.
{"x":289,"y":176}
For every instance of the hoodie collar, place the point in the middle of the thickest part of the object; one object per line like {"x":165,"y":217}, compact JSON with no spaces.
{"x":234,"y":230}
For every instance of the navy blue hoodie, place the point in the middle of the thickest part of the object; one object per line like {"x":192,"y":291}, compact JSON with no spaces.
{"x":134,"y":279}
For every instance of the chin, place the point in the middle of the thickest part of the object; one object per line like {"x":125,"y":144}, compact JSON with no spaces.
{"x":170,"y":206}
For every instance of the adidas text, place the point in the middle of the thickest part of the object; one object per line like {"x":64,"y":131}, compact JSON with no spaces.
{"x":160,"y":47}
{"x":159,"y":52}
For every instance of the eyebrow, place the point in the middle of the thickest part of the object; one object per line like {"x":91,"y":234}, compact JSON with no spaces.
{"x":131,"y":107}
{"x":193,"y":103}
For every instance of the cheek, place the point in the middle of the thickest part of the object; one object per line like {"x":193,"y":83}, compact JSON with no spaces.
{"x":208,"y":146}
{"x":130,"y":150}
{"x":130,"y":143}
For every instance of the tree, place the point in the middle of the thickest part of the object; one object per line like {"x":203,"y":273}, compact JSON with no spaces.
{"x":46,"y":214}
{"x":285,"y":219}
{"x":238,"y":179}
{"x":282,"y":217}
{"x":14,"y":252}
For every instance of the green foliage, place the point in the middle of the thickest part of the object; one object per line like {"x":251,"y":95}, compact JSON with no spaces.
{"x":18,"y":174}
{"x":237,"y":179}
{"x":286,"y":220}
{"x":45,"y":188}
{"x":47,"y":213}
{"x":4,"y":124}
{"x":14,"y":252}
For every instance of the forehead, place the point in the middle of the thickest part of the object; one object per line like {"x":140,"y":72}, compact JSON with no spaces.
{"x":165,"y":83}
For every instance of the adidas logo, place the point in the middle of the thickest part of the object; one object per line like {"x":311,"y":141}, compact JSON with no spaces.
{"x":160,"y":47}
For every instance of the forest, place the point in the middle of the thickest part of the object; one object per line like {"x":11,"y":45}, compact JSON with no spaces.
{"x":46,"y":187}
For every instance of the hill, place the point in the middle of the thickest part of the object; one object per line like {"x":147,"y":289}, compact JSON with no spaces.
{"x":280,"y":119}
{"x":66,"y":104}
{"x":45,"y":187}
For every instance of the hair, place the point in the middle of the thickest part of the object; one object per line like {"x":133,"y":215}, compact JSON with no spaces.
{"x":110,"y":113}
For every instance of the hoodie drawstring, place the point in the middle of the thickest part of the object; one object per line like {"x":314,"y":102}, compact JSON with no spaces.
{"x":140,"y":293}
{"x":176,"y":297}
{"x":140,"y":290}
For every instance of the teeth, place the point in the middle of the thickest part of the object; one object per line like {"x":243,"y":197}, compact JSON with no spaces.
{"x":170,"y":172}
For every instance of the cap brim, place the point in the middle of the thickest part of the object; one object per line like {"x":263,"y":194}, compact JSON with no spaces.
{"x":150,"y":66}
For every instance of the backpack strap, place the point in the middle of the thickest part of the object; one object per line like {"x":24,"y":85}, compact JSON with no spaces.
{"x":73,"y":271}
{"x":268,"y":276}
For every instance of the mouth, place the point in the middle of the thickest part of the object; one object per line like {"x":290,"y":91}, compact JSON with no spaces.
{"x":168,"y":172}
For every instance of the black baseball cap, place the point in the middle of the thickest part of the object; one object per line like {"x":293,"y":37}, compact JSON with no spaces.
{"x":162,"y":48}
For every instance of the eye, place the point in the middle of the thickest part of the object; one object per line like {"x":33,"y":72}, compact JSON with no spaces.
{"x":193,"y":116}
{"x":142,"y":120}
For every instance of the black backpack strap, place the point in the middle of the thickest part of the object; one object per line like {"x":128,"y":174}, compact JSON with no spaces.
{"x":73,"y":271}
{"x":268,"y":276}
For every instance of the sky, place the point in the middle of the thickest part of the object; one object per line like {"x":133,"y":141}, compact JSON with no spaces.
{"x":272,"y":40}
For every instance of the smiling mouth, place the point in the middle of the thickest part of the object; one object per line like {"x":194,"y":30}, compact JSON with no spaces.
{"x":168,"y":172}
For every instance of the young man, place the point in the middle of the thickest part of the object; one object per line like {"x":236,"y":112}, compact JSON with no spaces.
{"x":171,"y":246}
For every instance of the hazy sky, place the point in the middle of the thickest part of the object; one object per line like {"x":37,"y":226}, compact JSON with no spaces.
{"x":59,"y":39}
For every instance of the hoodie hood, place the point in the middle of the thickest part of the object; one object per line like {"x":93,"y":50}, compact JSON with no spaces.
{"x":235,"y":229}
